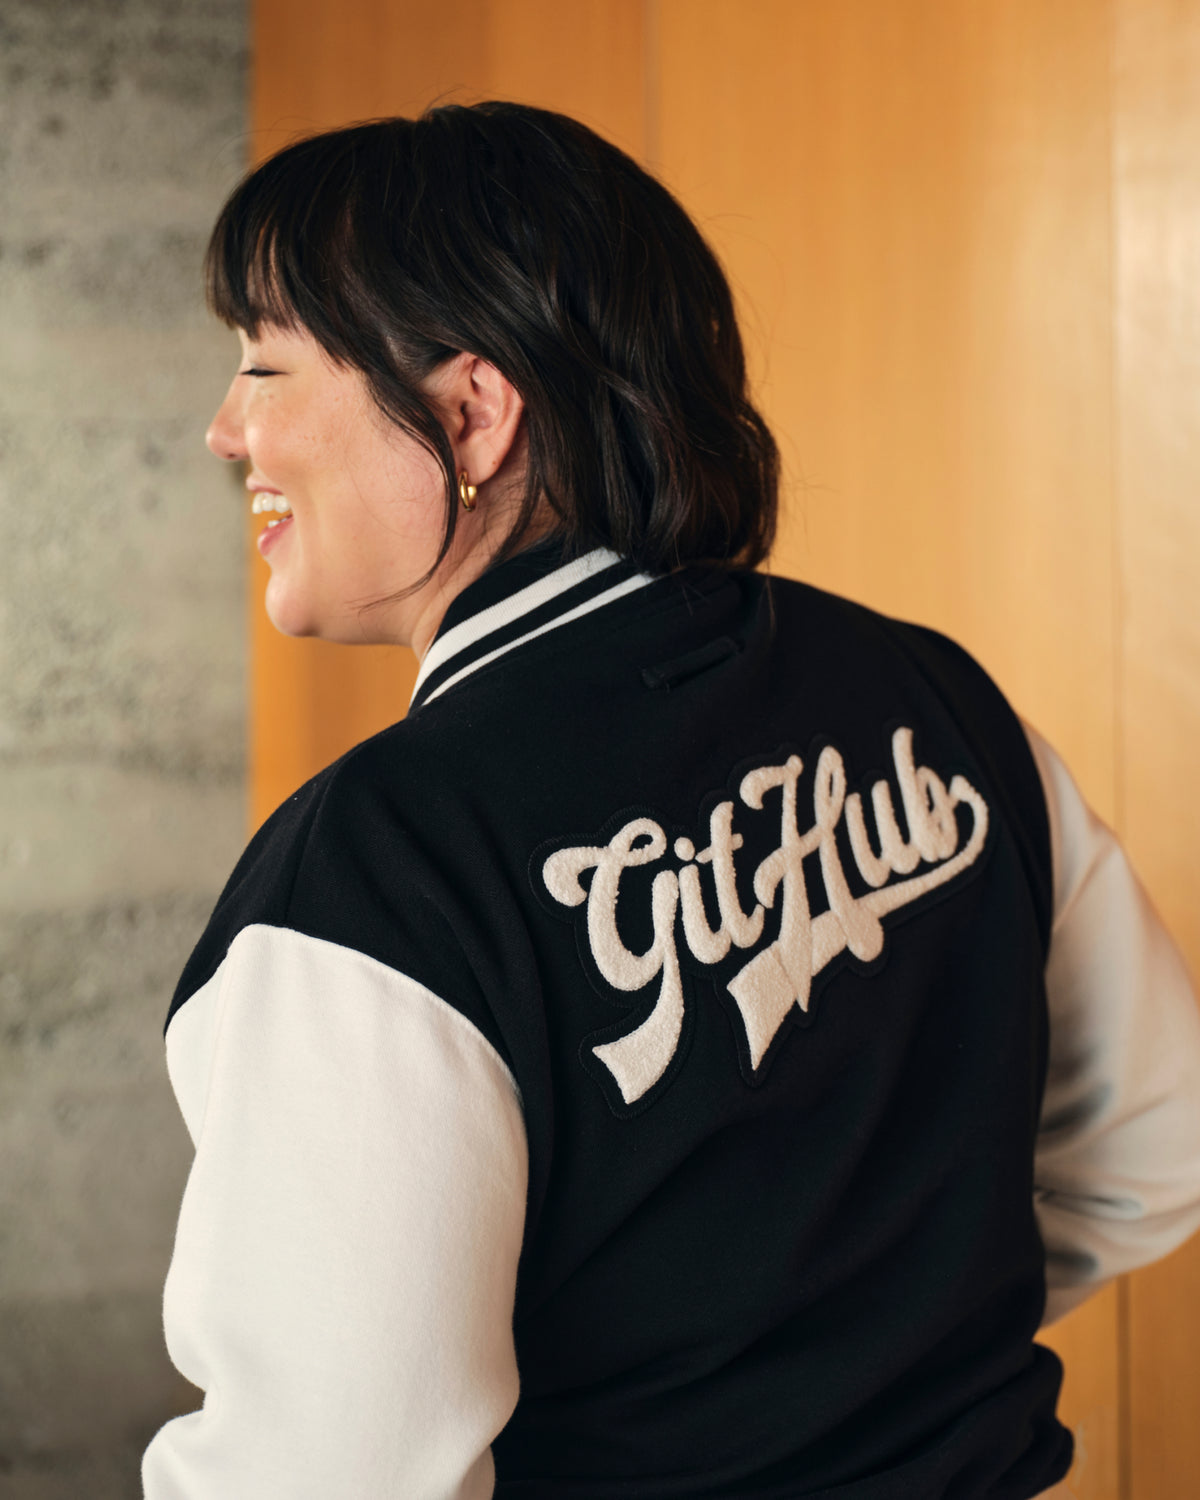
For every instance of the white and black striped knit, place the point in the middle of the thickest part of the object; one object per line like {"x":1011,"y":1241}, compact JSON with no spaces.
{"x":624,"y":1076}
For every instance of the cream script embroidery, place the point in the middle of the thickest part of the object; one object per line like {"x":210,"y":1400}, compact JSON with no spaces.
{"x":779,"y":975}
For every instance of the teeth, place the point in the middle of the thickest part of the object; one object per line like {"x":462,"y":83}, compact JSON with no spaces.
{"x":261,"y":504}
{"x":281,"y":504}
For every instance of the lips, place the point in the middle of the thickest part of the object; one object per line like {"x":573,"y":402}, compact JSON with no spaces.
{"x":269,"y":536}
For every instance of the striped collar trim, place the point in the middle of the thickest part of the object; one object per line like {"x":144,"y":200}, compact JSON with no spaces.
{"x":474,"y":638}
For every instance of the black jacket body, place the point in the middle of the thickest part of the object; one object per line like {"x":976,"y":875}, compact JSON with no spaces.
{"x":789,"y":1256}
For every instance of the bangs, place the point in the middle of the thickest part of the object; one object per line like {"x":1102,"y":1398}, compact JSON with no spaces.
{"x":242,"y":280}
{"x":276,"y":239}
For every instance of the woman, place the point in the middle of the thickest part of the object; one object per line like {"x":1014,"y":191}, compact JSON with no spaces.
{"x":623,"y":1076}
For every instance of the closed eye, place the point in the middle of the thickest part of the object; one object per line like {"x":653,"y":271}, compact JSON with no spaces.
{"x":254,"y":370}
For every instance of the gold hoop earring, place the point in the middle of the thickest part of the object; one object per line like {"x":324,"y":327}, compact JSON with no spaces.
{"x":466,"y":492}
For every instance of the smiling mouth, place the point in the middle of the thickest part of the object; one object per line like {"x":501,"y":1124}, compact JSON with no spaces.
{"x":270,"y":503}
{"x":262,"y":504}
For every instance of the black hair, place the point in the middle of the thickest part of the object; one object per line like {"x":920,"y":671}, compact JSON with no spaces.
{"x":523,"y":237}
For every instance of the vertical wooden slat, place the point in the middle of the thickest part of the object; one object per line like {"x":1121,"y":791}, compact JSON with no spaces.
{"x":318,"y":65}
{"x":913,"y":202}
{"x":1089,"y":1343}
{"x":586,"y":59}
{"x":1157,"y":200}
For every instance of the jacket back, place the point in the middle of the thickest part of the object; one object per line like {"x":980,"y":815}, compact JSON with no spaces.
{"x":750,"y":889}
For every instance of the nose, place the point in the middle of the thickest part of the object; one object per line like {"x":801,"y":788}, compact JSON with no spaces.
{"x":225,"y":437}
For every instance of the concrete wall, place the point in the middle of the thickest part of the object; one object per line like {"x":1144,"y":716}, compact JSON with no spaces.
{"x":122,"y":124}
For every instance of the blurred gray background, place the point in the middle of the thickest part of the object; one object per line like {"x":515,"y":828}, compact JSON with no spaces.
{"x":122,"y":125}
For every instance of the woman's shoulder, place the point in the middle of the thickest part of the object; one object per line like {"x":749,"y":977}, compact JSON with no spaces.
{"x":345,"y":859}
{"x":848,"y":626}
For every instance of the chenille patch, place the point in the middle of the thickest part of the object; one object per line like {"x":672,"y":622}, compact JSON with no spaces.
{"x":684,"y":886}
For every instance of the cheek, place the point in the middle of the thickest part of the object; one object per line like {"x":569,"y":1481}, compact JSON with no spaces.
{"x":412,"y":488}
{"x":289,"y":450}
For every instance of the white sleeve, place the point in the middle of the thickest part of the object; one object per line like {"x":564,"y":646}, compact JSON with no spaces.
{"x":1117,"y":1164}
{"x":345,"y":1262}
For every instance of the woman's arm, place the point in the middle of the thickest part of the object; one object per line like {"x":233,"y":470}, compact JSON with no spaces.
{"x":1117,"y":1167}
{"x":344,"y":1270}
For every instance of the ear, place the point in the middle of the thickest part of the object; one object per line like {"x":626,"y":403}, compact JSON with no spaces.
{"x":482,"y":412}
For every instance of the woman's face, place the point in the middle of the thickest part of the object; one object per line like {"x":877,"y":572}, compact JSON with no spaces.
{"x":358,"y":504}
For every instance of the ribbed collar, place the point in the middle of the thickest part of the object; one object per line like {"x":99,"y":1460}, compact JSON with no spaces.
{"x":516,"y":601}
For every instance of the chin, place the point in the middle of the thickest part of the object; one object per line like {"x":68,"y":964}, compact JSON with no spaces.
{"x":290,"y":616}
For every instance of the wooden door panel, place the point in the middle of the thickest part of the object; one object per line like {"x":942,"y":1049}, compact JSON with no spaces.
{"x":912,"y":200}
{"x":963,"y":234}
{"x":1157,"y":305}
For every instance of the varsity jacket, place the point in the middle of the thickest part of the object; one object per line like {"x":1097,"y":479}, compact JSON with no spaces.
{"x":633,"y":1074}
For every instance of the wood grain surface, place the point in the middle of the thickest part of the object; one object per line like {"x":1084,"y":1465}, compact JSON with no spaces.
{"x":965,"y":240}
